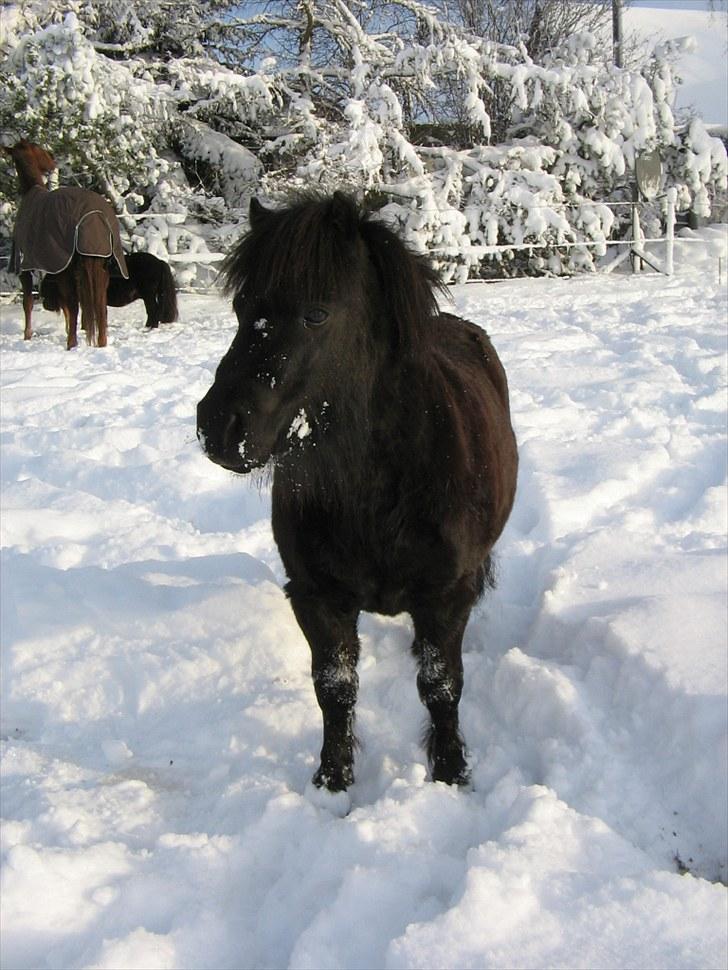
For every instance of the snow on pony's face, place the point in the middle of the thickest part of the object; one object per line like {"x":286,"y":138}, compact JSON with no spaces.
{"x":270,"y":389}
{"x":302,"y":316}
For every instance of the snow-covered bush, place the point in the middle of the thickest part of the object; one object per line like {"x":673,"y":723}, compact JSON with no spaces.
{"x":113,"y":126}
{"x":700,"y":168}
{"x":99,"y":118}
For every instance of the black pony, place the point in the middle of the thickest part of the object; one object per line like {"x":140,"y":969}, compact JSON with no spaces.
{"x":394,"y":462}
{"x":150,"y":279}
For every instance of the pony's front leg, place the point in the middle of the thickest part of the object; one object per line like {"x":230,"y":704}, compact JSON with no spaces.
{"x":26,"y":281}
{"x":332,"y":637}
{"x":437,"y":648}
{"x":150,"y":305}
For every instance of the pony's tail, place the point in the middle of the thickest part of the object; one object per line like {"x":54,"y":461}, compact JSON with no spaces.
{"x":93,"y":281}
{"x":167,"y":296}
{"x":49,"y":294}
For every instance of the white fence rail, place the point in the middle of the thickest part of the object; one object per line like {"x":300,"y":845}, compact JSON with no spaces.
{"x":633,"y":248}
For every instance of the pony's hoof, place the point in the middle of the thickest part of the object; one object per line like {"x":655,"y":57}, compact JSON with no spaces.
{"x":338,"y":803}
{"x":333,"y":779}
{"x":458,"y":774}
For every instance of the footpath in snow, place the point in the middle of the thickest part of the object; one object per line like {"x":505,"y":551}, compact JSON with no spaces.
{"x":159,"y":725}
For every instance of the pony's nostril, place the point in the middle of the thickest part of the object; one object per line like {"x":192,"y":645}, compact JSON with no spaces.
{"x":232,"y":429}
{"x":203,"y":440}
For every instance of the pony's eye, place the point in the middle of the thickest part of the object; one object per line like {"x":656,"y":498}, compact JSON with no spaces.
{"x":315,"y":317}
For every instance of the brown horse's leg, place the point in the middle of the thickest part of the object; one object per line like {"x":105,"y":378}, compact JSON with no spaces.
{"x":68,"y":299}
{"x":92,"y":280}
{"x":101,"y":290}
{"x":71,"y":317}
{"x":26,"y":281}
{"x":334,"y":644}
{"x":439,"y":629}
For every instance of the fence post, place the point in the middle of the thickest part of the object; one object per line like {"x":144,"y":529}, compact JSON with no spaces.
{"x":670,"y":230}
{"x":636,"y":238}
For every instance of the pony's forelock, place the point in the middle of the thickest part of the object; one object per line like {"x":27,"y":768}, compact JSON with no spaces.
{"x":301,"y":249}
{"x":309,"y":249}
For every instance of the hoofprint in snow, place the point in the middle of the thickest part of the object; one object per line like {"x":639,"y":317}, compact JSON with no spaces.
{"x":160,"y":727}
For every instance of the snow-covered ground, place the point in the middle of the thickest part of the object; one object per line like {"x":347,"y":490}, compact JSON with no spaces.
{"x":159,"y":722}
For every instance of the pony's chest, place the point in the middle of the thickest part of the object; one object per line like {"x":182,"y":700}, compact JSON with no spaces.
{"x":375,"y":552}
{"x":380,"y":569}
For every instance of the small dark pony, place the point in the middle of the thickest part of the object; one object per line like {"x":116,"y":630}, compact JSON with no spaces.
{"x":150,"y":279}
{"x":387,"y":426}
{"x":69,"y":232}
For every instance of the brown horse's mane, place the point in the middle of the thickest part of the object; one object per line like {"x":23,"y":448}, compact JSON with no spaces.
{"x":32,"y":163}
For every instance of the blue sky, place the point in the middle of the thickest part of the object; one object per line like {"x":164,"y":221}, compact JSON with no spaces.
{"x":705,"y":73}
{"x":679,"y":4}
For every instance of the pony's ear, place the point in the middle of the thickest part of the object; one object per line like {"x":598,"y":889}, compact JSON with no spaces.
{"x":345,"y":215}
{"x":256,"y":212}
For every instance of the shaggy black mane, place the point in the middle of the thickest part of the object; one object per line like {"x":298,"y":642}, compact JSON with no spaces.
{"x":310,"y":249}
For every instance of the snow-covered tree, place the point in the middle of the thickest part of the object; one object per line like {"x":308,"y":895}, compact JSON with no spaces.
{"x":99,"y":115}
{"x":117,"y":125}
{"x":538,"y":25}
{"x":180,"y":113}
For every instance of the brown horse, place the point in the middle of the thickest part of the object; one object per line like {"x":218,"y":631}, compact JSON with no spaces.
{"x":70,"y":233}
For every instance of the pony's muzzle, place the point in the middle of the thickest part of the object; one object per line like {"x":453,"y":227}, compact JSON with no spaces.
{"x":224,"y":436}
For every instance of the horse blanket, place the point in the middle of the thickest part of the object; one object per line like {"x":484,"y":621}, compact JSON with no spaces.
{"x":52,"y":226}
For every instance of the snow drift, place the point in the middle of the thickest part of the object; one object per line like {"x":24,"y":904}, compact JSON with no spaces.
{"x":159,"y":722}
